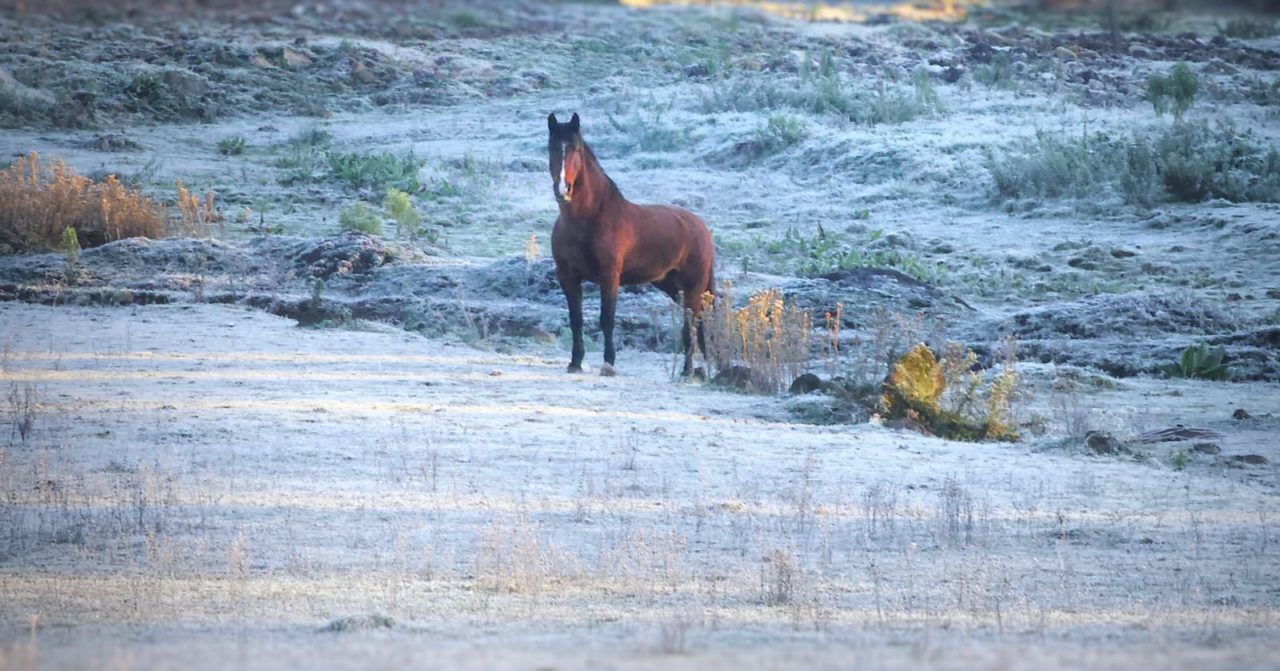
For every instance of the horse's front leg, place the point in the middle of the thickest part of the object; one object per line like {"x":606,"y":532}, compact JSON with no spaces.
{"x":572,"y":288}
{"x":608,"y":305}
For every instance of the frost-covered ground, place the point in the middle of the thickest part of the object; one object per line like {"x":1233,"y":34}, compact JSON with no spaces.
{"x":282,"y":496}
{"x":212,"y":483}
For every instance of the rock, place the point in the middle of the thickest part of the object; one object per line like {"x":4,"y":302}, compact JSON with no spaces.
{"x":1250,"y":459}
{"x":1101,"y":443}
{"x":1065,"y":54}
{"x":1206,"y":448}
{"x":259,"y":61}
{"x":296,"y":59}
{"x":806,"y":384}
{"x":1139,"y":51}
{"x":1241,"y":414}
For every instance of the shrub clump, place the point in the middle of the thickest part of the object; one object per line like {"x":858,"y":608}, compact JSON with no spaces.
{"x":946,"y":398}
{"x":361,"y":218}
{"x":38,"y":202}
{"x":1173,"y":92}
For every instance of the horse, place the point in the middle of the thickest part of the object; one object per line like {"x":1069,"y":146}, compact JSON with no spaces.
{"x":602,"y":237}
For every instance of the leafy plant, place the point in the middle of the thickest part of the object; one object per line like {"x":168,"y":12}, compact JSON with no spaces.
{"x":401,"y":209}
{"x":1174,"y":92}
{"x":231,"y":146}
{"x":377,"y":171}
{"x":362,"y":218}
{"x":1198,"y":361}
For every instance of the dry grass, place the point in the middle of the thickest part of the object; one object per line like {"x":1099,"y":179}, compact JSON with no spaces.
{"x":37,"y":203}
{"x":196,"y":216}
{"x":768,"y":338}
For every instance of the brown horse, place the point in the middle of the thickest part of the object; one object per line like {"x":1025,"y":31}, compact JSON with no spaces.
{"x":603,"y":238}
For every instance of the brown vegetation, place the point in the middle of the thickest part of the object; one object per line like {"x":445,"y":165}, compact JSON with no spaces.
{"x":37,"y":203}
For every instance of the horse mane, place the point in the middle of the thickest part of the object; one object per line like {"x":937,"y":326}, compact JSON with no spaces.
{"x":612,"y":187}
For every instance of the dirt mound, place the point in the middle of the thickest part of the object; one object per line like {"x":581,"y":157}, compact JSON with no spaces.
{"x":1134,"y":315}
{"x":350,"y":252}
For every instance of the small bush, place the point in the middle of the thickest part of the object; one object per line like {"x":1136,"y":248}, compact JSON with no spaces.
{"x":231,"y":146}
{"x":401,"y":209}
{"x":944,"y":397}
{"x":38,"y":203}
{"x":1198,"y":361}
{"x":1174,"y":92}
{"x":362,"y":218}
{"x":768,"y":341}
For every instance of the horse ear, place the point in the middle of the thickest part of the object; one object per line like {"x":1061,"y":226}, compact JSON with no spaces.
{"x":573,"y":123}
{"x":551,"y":121}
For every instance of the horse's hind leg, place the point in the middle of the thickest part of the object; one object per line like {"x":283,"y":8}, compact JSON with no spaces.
{"x":692,"y":311}
{"x":608,"y":306}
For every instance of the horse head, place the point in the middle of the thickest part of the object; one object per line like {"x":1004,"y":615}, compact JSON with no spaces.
{"x":564,"y":146}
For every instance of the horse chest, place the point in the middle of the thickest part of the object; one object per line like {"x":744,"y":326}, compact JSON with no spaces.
{"x":586,"y":245}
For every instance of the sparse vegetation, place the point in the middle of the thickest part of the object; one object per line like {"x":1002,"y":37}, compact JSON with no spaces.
{"x":825,"y":252}
{"x":38,"y":202}
{"x":824,"y":92}
{"x":197,"y":216}
{"x":779,"y":132}
{"x":763,"y":346}
{"x":231,"y":146}
{"x":1188,"y":162}
{"x":24,"y":409}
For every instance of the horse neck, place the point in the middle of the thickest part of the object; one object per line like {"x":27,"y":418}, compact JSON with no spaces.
{"x":600,"y":190}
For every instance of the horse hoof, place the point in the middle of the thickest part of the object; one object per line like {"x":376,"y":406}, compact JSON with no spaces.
{"x":574,"y":368}
{"x":607,"y":371}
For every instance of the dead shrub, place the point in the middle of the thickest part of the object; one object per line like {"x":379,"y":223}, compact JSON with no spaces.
{"x":767,"y":341}
{"x":37,"y":203}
